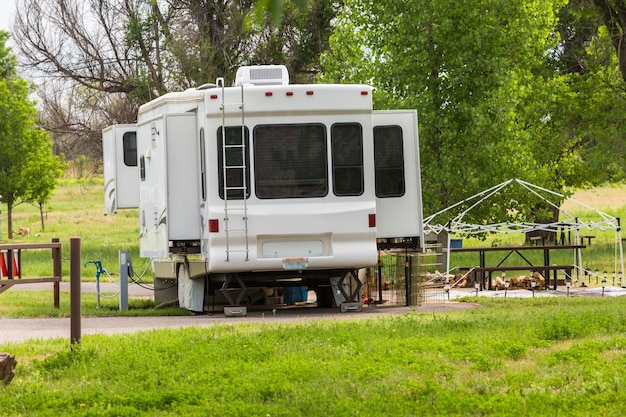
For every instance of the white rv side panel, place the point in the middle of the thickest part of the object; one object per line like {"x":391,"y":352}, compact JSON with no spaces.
{"x":121,"y":176}
{"x":402,"y":216}
{"x":152,"y":151}
{"x":183,"y":190}
{"x":168,"y":185}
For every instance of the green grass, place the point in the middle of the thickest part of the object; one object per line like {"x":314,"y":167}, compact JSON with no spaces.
{"x":510,"y":357}
{"x":38,"y":304}
{"x":514,"y":357}
{"x":76,"y":209}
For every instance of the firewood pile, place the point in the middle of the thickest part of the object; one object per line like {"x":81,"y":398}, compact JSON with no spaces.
{"x":515,"y":283}
{"x":439,"y":278}
{"x":522,"y":282}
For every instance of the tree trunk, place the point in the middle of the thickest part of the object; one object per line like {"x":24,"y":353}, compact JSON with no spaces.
{"x":10,"y":220}
{"x":41,"y":216}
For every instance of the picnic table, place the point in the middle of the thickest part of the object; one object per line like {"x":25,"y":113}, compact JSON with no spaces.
{"x":544,"y":268}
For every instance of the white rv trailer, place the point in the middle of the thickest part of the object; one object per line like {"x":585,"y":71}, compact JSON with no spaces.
{"x":119,"y":144}
{"x":265,"y":182}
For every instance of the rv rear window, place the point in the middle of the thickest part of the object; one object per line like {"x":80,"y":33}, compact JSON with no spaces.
{"x":129,"y":145}
{"x":347,"y":152}
{"x":237,"y":166}
{"x":389,"y":161}
{"x":290,"y":161}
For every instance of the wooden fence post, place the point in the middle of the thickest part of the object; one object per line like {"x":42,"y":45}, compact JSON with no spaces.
{"x":56,"y":272}
{"x":75,"y":276}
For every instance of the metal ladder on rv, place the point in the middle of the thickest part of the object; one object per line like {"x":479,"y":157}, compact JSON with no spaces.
{"x":229,"y":228}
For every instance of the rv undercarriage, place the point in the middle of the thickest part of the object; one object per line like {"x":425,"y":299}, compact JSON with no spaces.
{"x":198,"y":291}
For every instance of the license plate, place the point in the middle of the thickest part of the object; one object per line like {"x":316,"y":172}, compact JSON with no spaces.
{"x":292,"y":264}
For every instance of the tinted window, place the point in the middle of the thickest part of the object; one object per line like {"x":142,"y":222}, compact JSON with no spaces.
{"x":237,"y":156}
{"x":290,"y":161}
{"x":129,"y":145}
{"x":347,"y":153}
{"x":389,"y":161}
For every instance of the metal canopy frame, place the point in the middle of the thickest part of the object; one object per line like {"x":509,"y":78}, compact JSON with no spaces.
{"x":570,"y":222}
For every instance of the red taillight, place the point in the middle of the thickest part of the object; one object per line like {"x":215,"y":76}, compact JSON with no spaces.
{"x":213,"y":96}
{"x":214,"y":225}
{"x":364,"y":93}
{"x":371,"y":219}
{"x":309,"y":93}
{"x":268,"y":94}
{"x":289,"y":93}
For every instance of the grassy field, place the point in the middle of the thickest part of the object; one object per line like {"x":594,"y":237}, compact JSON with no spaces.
{"x":509,"y":357}
{"x":39,"y":304}
{"x":76,"y":210}
{"x":77,"y":207}
{"x":513,"y":357}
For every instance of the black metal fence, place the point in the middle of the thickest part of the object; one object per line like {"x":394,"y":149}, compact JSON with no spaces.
{"x":388,"y":283}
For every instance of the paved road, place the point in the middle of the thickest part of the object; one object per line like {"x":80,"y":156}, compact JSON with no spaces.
{"x":19,"y":330}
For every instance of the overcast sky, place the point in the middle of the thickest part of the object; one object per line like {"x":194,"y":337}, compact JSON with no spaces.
{"x":7,"y":10}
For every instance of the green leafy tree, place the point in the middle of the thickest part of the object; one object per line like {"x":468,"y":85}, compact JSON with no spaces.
{"x":613,"y":14}
{"x":531,"y":91}
{"x":593,"y":110}
{"x":471,"y":69}
{"x":42,"y":173}
{"x":28,"y":170}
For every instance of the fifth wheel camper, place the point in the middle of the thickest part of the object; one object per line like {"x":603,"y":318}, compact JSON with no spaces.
{"x":262,"y":185}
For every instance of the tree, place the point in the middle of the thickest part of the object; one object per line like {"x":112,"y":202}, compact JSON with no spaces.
{"x":614,"y":16}
{"x":28,"y":170}
{"x":41,"y":174}
{"x":479,"y":79}
{"x":595,"y":111}
{"x":517,"y":93}
{"x":107,"y":52}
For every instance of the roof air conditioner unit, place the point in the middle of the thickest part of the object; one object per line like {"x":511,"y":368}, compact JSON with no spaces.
{"x":262,"y":75}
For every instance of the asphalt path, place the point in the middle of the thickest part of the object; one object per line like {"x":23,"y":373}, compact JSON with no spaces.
{"x":21,"y":330}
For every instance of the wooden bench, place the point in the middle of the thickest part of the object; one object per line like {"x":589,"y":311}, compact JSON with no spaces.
{"x":539,"y":268}
{"x":588,"y":237}
{"x":12,"y":279}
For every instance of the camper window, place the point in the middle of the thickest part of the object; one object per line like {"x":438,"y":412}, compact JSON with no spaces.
{"x":236,"y":168}
{"x":389,"y":161}
{"x":347,"y":154}
{"x":129,"y":145}
{"x":290,"y":161}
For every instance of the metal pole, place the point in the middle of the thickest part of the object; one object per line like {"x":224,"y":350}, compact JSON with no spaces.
{"x":407,"y":279}
{"x":380,"y":281}
{"x":124,"y":263}
{"x":621,"y":250}
{"x":75,"y":274}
